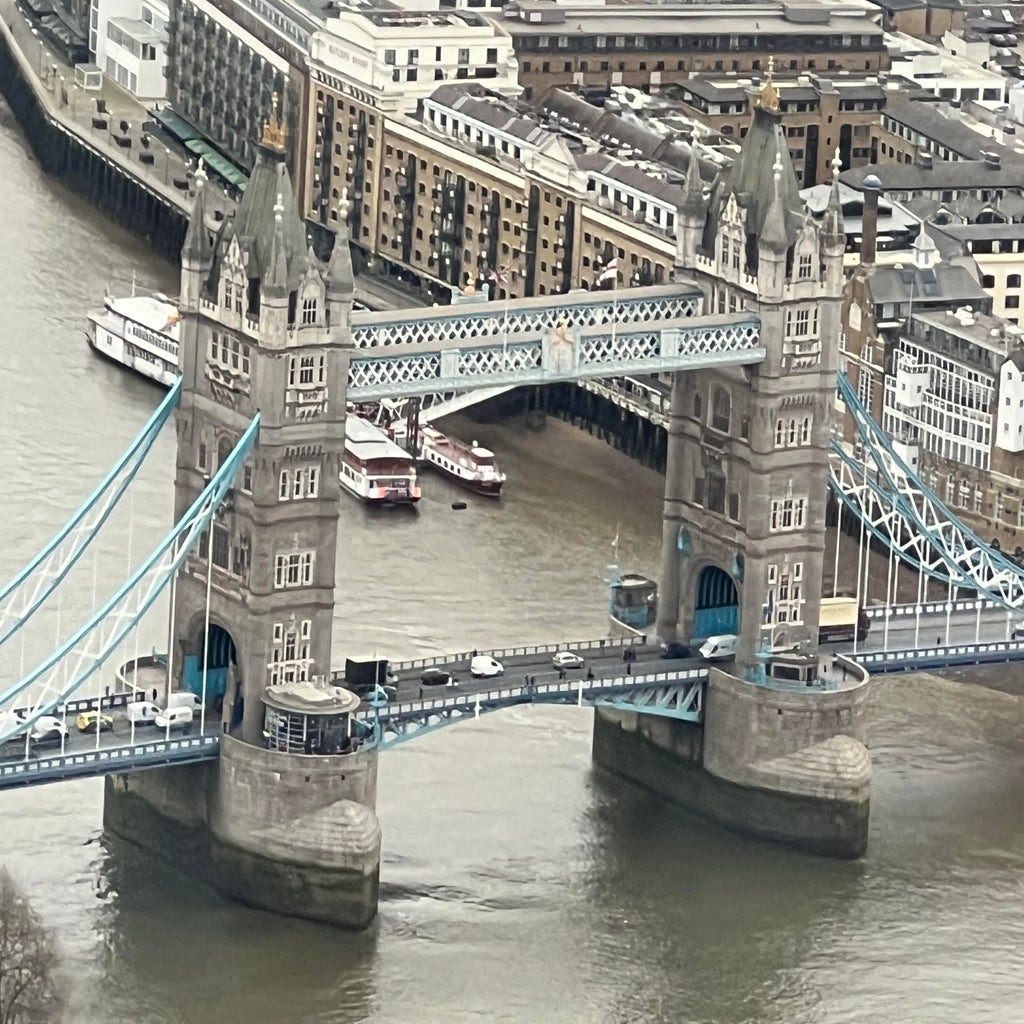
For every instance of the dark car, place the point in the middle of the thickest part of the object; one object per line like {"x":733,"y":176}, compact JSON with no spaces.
{"x":676,"y":650}
{"x":436,"y":677}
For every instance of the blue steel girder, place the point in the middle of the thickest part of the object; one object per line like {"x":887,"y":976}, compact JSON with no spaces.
{"x":563,"y":355}
{"x":513,"y":320}
{"x":676,"y":694}
{"x":682,"y":702}
{"x":896,"y":505}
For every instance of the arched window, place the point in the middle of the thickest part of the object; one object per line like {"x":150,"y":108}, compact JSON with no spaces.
{"x":224,"y":447}
{"x":698,"y":406}
{"x":721,"y":409}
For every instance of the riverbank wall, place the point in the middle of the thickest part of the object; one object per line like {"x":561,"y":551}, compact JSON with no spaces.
{"x":92,"y":169}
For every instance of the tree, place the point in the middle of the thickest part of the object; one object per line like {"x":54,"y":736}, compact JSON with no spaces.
{"x":29,"y":988}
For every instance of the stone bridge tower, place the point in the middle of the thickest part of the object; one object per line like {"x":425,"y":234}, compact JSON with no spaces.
{"x":780,"y":752}
{"x":284,"y":819}
{"x":265,"y":328}
{"x":744,"y":516}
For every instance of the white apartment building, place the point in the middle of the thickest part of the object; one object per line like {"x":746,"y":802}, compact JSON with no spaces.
{"x":128,"y":42}
{"x":394,"y":59}
{"x":955,"y":392}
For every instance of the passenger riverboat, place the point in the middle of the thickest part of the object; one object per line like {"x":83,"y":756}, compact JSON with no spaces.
{"x":469,"y":465}
{"x":374,"y":469}
{"x":139,"y":332}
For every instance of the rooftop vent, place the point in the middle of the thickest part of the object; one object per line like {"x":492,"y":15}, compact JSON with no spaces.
{"x":992,"y":160}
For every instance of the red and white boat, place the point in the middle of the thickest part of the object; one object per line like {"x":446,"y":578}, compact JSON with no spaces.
{"x":469,"y":465}
{"x":375,"y":469}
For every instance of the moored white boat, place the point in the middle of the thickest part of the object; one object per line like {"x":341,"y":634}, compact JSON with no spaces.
{"x":374,"y":469}
{"x":139,"y":332}
{"x":469,"y":465}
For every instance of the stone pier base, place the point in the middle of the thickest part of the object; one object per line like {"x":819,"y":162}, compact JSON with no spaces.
{"x":783,"y":765}
{"x":292,"y":834}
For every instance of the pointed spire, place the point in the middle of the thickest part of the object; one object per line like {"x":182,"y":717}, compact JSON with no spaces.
{"x":773,"y":234}
{"x":340,"y":279}
{"x":198,"y":244}
{"x":275,"y":280}
{"x":693,"y":186}
{"x":832,"y":220}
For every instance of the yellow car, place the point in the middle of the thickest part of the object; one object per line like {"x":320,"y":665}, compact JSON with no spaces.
{"x":90,"y":721}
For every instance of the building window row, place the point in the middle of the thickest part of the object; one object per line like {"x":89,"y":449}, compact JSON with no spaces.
{"x":299,"y":483}
{"x":294,"y":569}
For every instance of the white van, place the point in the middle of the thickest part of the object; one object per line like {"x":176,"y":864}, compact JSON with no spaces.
{"x":184,"y":699}
{"x":142,"y":712}
{"x":719,"y":648}
{"x":173,"y":718}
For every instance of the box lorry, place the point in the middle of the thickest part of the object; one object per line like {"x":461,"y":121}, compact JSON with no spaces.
{"x":363,"y":675}
{"x":842,"y":618}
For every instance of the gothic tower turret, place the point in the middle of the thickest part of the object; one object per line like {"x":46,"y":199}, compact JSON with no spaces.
{"x":260,"y":333}
{"x":747,"y":474}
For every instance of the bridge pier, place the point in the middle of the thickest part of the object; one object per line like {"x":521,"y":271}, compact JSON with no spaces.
{"x":787,"y":765}
{"x":299,"y":838}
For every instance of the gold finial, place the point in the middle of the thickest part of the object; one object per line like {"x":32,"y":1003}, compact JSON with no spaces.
{"x":769,"y":96}
{"x":273,"y":128}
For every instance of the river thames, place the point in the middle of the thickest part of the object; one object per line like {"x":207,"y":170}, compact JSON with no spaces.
{"x":518,"y":883}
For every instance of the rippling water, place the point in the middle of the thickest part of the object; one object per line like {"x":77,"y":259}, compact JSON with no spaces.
{"x":518,"y":884}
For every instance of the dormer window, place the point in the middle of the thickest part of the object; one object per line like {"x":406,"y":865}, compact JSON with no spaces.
{"x":309,"y":312}
{"x":805,"y":267}
{"x":233,"y":297}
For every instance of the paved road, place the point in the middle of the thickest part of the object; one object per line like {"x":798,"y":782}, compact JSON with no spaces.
{"x":905,"y":632}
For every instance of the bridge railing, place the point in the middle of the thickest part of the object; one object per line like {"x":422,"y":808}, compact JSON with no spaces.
{"x":933,"y":608}
{"x":528,"y":650}
{"x":110,"y":760}
{"x":942,"y":657}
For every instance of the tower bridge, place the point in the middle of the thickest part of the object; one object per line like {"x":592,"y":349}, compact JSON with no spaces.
{"x":277,"y":787}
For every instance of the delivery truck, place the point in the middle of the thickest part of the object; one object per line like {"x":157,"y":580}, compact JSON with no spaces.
{"x":842,"y":618}
{"x":363,"y":674}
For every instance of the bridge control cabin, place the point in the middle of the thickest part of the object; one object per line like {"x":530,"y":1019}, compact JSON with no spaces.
{"x":311,"y":718}
{"x":632,"y":601}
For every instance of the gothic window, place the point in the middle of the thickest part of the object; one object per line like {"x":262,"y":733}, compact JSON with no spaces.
{"x":233,"y":297}
{"x":229,"y":353}
{"x":805,"y":430}
{"x":284,"y":490}
{"x":802,"y":322}
{"x":221,"y":549}
{"x":721,"y":409}
{"x":805,"y":266}
{"x":298,"y":483}
{"x":715,"y":491}
{"x":289,"y":652}
{"x":307,"y":371}
{"x":698,"y":406}
{"x":248,"y":471}
{"x":224,"y":447}
{"x":698,"y":490}
{"x":725,"y":250}
{"x":202,"y":456}
{"x":294,"y":569}
{"x":784,"y":600}
{"x":788,"y":514}
{"x":309,"y":311}
{"x":734,"y":507}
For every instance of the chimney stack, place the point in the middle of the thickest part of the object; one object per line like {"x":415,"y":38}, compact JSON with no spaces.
{"x":869,"y":228}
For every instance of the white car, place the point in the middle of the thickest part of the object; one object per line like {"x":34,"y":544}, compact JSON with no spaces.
{"x":47,"y":725}
{"x":483,"y":666}
{"x":567,"y":659}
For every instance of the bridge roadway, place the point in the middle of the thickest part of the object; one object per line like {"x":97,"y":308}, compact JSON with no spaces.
{"x":125,"y":749}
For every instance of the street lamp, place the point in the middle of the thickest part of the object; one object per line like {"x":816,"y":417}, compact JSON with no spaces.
{"x":167,"y":164}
